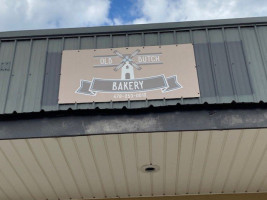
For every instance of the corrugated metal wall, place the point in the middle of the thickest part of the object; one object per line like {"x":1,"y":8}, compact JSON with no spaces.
{"x":231,"y":65}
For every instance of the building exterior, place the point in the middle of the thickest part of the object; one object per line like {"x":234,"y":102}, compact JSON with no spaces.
{"x":213,"y":143}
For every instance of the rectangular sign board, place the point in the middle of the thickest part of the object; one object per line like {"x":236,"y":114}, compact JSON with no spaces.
{"x":133,"y":73}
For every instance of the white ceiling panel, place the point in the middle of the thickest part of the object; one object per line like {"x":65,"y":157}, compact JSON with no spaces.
{"x":107,"y":166}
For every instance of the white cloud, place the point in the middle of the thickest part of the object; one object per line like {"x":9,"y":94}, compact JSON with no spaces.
{"x":152,"y":11}
{"x":40,"y":14}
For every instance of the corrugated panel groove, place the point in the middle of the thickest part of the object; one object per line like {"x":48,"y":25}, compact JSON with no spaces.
{"x":42,"y":172}
{"x":212,"y":67}
{"x":255,"y":65}
{"x":261,"y":49}
{"x":27,"y":73}
{"x":232,"y":162}
{"x":6,"y":80}
{"x":97,"y":168}
{"x":18,"y":77}
{"x":207,"y":150}
{"x":259,"y":164}
{"x":229,"y":65}
{"x":34,"y":87}
{"x":52,"y":74}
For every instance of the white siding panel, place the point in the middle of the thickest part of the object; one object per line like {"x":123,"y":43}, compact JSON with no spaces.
{"x":185,"y":161}
{"x":47,"y":166}
{"x":129,"y":149}
{"x":57,"y":158}
{"x":213,"y":158}
{"x":202,"y":144}
{"x":87,"y":160}
{"x":171,"y":163}
{"x":144,"y":158}
{"x":74,"y":163}
{"x":241,"y":156}
{"x":101,"y":160}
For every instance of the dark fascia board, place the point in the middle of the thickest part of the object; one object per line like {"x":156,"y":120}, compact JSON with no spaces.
{"x":133,"y":28}
{"x":141,"y":122}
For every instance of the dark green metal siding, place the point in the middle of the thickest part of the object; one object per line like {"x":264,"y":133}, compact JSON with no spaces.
{"x":231,"y":57}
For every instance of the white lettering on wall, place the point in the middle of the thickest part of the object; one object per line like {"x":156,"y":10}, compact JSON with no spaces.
{"x":127,"y":85}
{"x":148,"y":59}
{"x":105,"y":61}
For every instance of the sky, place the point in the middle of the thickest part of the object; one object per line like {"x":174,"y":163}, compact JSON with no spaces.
{"x":47,"y":14}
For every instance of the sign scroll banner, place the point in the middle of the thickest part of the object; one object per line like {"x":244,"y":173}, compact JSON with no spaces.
{"x":133,"y":73}
{"x":131,"y":85}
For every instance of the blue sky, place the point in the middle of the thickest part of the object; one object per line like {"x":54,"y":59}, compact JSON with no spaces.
{"x":44,"y":14}
{"x":120,"y":8}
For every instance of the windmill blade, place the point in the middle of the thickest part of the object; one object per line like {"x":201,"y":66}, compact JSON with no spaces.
{"x":119,"y":66}
{"x":118,"y":54}
{"x":135,"y":65}
{"x":134,"y":53}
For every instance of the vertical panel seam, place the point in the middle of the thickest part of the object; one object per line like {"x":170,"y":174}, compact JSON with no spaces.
{"x":10,"y":75}
{"x":38,"y":163}
{"x":246,"y":160}
{"x":246,"y":64}
{"x":12,"y":186}
{"x":203,"y":170}
{"x":200,"y":100}
{"x":212,"y":68}
{"x":191,"y":162}
{"x":19,"y":177}
{"x":27,"y":169}
{"x":258,"y":38}
{"x":82,"y":165}
{"x":151,"y":162}
{"x":110,"y":165}
{"x":257,"y":167}
{"x":264,"y":178}
{"x":159,"y":38}
{"x":143,"y":39}
{"x":175,"y":37}
{"x":178,"y":161}
{"x":137,"y":163}
{"x":123,"y":164}
{"x":5,"y":194}
{"x":62,"y":48}
{"x":96,"y":165}
{"x":164,"y":162}
{"x":111,"y":41}
{"x":27,"y":77}
{"x":229,"y":65}
{"x":68,"y":165}
{"x":232,"y":160}
{"x":44,"y":73}
{"x":127,"y":40}
{"x":79,"y":42}
{"x":219,"y":161}
{"x":53,"y":164}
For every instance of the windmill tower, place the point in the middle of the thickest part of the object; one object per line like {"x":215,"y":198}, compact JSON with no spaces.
{"x":127,"y":65}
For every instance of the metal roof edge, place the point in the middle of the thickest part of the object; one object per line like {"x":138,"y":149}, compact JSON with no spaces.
{"x":178,"y":120}
{"x":132,"y":28}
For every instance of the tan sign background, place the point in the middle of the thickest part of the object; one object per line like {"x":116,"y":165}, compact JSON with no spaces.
{"x":135,"y":73}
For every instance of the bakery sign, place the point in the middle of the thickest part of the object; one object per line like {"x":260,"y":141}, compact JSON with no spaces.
{"x":133,"y":73}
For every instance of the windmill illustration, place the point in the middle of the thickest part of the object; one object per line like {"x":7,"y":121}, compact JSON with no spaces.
{"x":127,"y":65}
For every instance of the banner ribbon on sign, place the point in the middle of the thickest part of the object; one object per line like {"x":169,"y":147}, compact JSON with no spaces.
{"x":98,"y":85}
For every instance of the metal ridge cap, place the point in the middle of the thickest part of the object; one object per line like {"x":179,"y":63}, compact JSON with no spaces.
{"x":131,"y":28}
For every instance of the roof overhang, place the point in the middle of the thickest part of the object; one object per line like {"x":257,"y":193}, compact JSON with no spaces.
{"x":134,"y":28}
{"x":132,"y":121}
